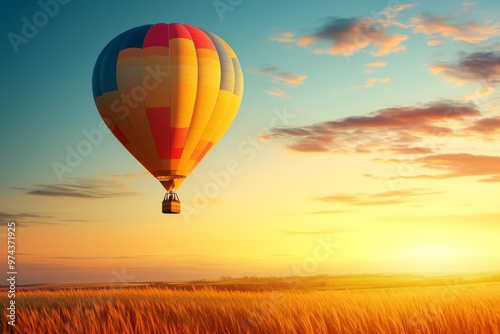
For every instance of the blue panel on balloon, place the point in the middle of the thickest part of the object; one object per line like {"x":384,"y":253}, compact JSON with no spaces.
{"x":136,"y":37}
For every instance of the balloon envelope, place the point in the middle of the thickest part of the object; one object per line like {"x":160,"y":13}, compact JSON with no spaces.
{"x":168,"y":92}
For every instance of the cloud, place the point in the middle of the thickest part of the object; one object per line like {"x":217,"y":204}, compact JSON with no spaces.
{"x":135,"y":175}
{"x":290,"y":78}
{"x":480,"y":67}
{"x":289,"y":232}
{"x":81,"y":188}
{"x":28,"y":219}
{"x":373,"y":81}
{"x":4,"y":216}
{"x":434,"y":42}
{"x":286,"y":78}
{"x":265,"y":70}
{"x":467,"y":4}
{"x":404,"y":7}
{"x":393,"y":130}
{"x":276,"y":92}
{"x":470,"y":32}
{"x":460,"y":165}
{"x":350,"y":35}
{"x":492,"y":179}
{"x":383,"y":198}
{"x":372,"y":66}
{"x":376,"y":64}
{"x":286,"y":37}
{"x":327,"y":212}
{"x":486,"y":126}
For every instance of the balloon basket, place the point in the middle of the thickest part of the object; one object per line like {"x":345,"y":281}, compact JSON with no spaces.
{"x":171,"y":204}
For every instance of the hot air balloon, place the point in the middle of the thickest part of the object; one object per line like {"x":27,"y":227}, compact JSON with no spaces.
{"x":168,"y":92}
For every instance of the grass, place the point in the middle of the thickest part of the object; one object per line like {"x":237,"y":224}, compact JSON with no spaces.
{"x":468,"y":309}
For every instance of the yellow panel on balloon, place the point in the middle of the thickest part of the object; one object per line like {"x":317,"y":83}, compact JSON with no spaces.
{"x":155,"y":51}
{"x":181,"y":47}
{"x":227,"y":119}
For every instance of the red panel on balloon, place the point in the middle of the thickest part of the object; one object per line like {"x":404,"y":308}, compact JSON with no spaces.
{"x":200,"y":38}
{"x":159,"y":122}
{"x":178,"y":31}
{"x":119,"y":134}
{"x":157,"y":36}
{"x":176,"y":153}
{"x":179,"y":136}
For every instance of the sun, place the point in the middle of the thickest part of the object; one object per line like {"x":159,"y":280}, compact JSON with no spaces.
{"x":438,"y":258}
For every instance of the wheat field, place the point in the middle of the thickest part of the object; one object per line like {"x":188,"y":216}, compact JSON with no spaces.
{"x":461,"y":309}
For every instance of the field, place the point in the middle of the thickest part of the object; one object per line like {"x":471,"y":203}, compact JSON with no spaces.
{"x":273,"y":305}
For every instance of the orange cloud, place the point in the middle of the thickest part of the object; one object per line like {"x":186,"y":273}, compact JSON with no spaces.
{"x":404,"y":7}
{"x":389,"y":44}
{"x":486,"y":126}
{"x":276,"y":92}
{"x":290,"y":78}
{"x":376,"y":64}
{"x":470,"y":32}
{"x":480,"y":92}
{"x":281,"y":77}
{"x":286,"y":37}
{"x":351,"y":35}
{"x":398,"y":130}
{"x":383,"y":198}
{"x":434,"y":42}
{"x":306,"y":40}
{"x":373,"y":81}
{"x":460,"y":165}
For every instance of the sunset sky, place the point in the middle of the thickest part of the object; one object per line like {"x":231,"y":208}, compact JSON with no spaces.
{"x":367,"y":141}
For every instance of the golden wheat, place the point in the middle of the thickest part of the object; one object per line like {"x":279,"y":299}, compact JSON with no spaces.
{"x":466,"y":309}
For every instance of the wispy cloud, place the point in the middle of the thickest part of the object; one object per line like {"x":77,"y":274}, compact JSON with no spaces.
{"x":286,"y":37}
{"x":16,"y":216}
{"x":327,"y":212}
{"x":81,"y":188}
{"x":397,"y":129}
{"x":383,"y":198}
{"x":370,"y":67}
{"x":289,"y":78}
{"x":460,"y":165}
{"x":350,"y":35}
{"x":28,"y":219}
{"x":286,"y":78}
{"x":276,"y":92}
{"x":466,"y":5}
{"x":434,"y":42}
{"x":374,"y":81}
{"x":290,"y":232}
{"x":405,"y":6}
{"x":376,"y":64}
{"x":264,"y":70}
{"x":470,"y":32}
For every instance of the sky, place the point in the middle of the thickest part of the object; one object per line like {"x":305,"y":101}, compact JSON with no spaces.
{"x":366,"y":142}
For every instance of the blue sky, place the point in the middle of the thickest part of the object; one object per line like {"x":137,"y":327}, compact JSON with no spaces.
{"x":287,"y":51}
